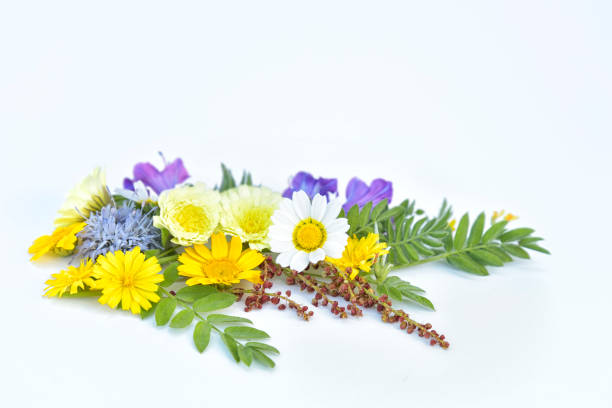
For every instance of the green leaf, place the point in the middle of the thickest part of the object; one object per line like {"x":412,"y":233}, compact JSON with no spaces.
{"x":379,"y":208}
{"x":231,"y":345}
{"x":476,"y":232}
{"x":201,"y":335}
{"x":535,"y":247}
{"x":214,"y":301}
{"x":151,"y":252}
{"x":421,"y":300}
{"x":242,"y":332}
{"x":262,"y":358}
{"x":221,"y":318}
{"x":182,"y":319}
{"x":515,"y":250}
{"x":245,"y":354}
{"x":262,"y":347}
{"x":461,"y":232}
{"x":516,"y":234}
{"x":395,"y":293}
{"x":353,"y":217}
{"x":485,"y":257}
{"x":494,"y":231}
{"x":500,"y":253}
{"x":467,"y":264}
{"x":165,"y":309}
{"x":170,"y":274}
{"x":193,"y":293}
{"x":364,"y":215}
{"x":146,"y":313}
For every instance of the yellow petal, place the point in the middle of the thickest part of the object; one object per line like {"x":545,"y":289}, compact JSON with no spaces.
{"x":250,"y":259}
{"x":219,"y":246}
{"x":235,"y":249}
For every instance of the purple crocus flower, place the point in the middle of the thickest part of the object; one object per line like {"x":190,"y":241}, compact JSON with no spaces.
{"x":311,"y":186}
{"x":172,"y":174}
{"x":358,"y":192}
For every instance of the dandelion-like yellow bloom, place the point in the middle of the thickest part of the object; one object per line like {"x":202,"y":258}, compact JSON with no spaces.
{"x":129,"y":278}
{"x":247,"y":213}
{"x":222,"y":263}
{"x":62,"y":241}
{"x":73,"y":278}
{"x":452,"y":224}
{"x":190,"y":213}
{"x":360,"y":254}
{"x":88,"y":196}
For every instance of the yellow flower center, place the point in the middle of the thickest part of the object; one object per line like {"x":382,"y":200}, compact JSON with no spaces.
{"x":191,"y":218}
{"x":222,"y":269}
{"x":256,"y":220}
{"x":309,"y":235}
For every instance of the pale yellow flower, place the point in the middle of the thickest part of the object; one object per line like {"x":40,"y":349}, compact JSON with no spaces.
{"x":246,"y":212}
{"x":88,"y":196}
{"x":190,"y":213}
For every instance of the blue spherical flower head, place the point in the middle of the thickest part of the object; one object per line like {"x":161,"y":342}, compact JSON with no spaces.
{"x":306,"y":182}
{"x":118,"y":229}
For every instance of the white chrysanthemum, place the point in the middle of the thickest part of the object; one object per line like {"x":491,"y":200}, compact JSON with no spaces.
{"x":88,"y":196}
{"x":247,"y":213}
{"x":189,"y":213}
{"x":303,"y":232}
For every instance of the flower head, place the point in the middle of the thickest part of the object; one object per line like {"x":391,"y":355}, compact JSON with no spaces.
{"x":172,"y":174}
{"x":129,"y":278}
{"x":306,"y":182}
{"x":62,"y":241}
{"x":360,"y":254}
{"x":190,"y":213}
{"x":304,"y":232}
{"x":502,"y":214}
{"x":118,"y":229}
{"x":247,"y":213}
{"x":88,"y":196}
{"x":358,"y":192}
{"x":73,"y":278}
{"x":139,"y":194}
{"x":221,"y":264}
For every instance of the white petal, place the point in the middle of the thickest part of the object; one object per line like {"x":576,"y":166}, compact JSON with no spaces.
{"x":282,"y":218}
{"x":332,"y":211}
{"x":319,"y":205}
{"x":337,"y":225}
{"x":284,"y":258}
{"x":299,"y":261}
{"x":280,"y":232}
{"x":301,"y":204}
{"x":316,"y":256}
{"x":334,"y":248}
{"x":281,"y":246}
{"x":286,"y":207}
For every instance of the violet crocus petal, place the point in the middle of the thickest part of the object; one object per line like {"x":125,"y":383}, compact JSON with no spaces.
{"x":173,"y":174}
{"x":305,"y":182}
{"x":357,"y":192}
{"x":328,"y":185}
{"x":150,"y":176}
{"x":128,"y":184}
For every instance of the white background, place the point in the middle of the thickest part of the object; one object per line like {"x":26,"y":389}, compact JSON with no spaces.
{"x":490,"y":104}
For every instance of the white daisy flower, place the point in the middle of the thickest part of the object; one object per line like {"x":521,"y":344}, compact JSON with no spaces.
{"x":303,"y":232}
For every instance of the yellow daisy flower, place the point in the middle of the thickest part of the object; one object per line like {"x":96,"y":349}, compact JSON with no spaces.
{"x":73,"y":278}
{"x":129,"y":278}
{"x":360,"y":254}
{"x":61,"y":241}
{"x":247,"y":212}
{"x":88,"y":196}
{"x":190,"y":213}
{"x":221,"y":264}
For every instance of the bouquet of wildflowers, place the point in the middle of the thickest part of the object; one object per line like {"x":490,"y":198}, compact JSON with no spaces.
{"x":169,"y":247}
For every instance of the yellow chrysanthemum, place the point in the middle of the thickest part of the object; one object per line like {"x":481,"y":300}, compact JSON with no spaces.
{"x":222,"y":263}
{"x":190,"y":213}
{"x":246,"y":213}
{"x":73,"y":278}
{"x":61,"y":241}
{"x":88,"y":196}
{"x":360,"y":254}
{"x":129,"y":278}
